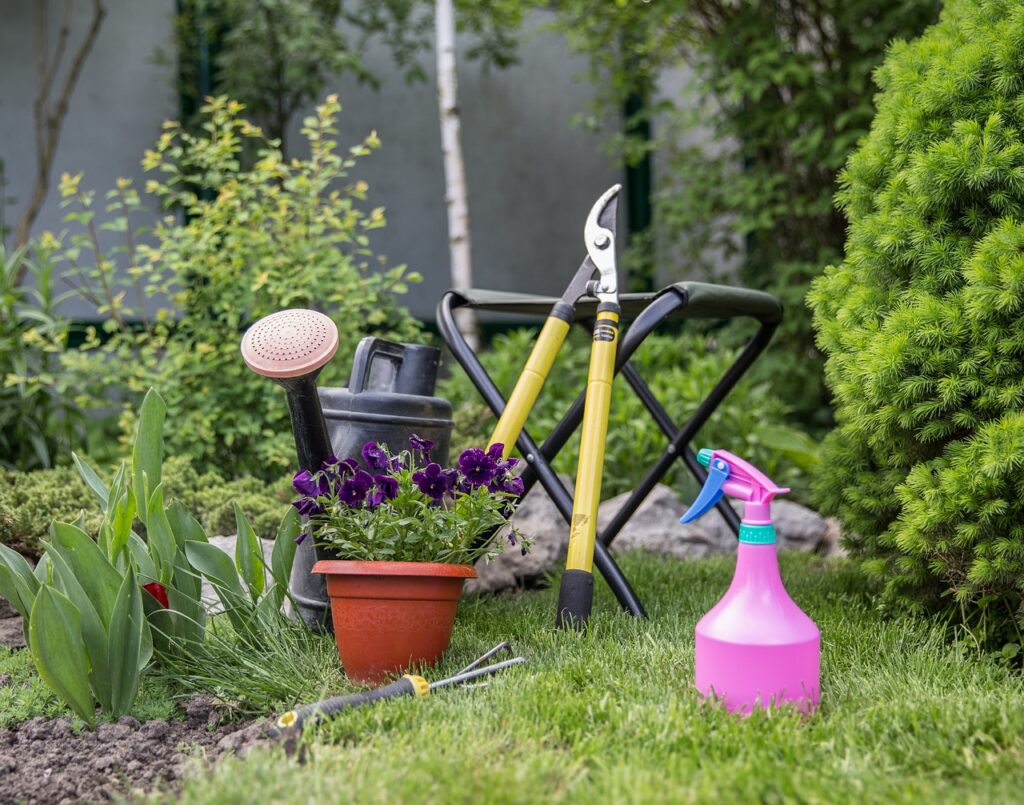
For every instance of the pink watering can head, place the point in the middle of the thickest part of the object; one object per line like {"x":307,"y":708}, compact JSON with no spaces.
{"x":730,"y":475}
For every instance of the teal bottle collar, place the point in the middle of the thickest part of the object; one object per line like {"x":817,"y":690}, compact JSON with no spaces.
{"x":757,"y":534}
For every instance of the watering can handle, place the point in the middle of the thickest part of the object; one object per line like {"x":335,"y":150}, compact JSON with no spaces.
{"x":369,"y":350}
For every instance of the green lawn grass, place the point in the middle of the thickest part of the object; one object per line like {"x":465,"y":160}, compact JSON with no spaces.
{"x":612,"y":716}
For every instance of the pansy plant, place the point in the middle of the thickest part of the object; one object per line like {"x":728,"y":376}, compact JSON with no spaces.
{"x":408,"y":508}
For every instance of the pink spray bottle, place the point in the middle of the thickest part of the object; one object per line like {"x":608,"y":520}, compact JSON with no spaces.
{"x":755,"y":648}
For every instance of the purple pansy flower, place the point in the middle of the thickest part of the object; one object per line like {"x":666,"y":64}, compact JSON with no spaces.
{"x":432,"y":481}
{"x":308,"y":507}
{"x":508,"y":464}
{"x":353,"y":491}
{"x":506,"y":484}
{"x":495,"y":451}
{"x":421,"y":445}
{"x":385,"y":487}
{"x":375,"y":457}
{"x":477,"y":466}
{"x":305,"y":483}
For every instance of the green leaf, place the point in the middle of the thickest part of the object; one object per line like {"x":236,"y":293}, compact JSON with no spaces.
{"x":218,"y":568}
{"x":139,"y":551}
{"x":18,"y":584}
{"x":92,"y":479}
{"x":283,"y":556}
{"x":125,"y":645}
{"x":185,"y":527}
{"x":93,"y":629}
{"x":249,"y":556}
{"x":147,"y":450}
{"x":56,"y":647}
{"x":160,"y":536}
{"x":99,"y":579}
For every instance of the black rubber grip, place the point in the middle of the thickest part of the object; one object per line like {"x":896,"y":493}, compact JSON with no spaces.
{"x":312,"y":713}
{"x":575,"y":597}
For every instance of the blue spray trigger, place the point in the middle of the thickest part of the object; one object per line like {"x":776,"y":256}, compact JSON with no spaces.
{"x":718,"y":474}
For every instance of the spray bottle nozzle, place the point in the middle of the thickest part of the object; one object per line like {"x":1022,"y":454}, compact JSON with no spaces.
{"x":730,"y":475}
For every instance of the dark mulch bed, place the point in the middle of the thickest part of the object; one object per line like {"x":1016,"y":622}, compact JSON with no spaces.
{"x":47,"y":760}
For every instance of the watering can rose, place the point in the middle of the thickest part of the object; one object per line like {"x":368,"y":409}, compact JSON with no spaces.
{"x":392,"y":511}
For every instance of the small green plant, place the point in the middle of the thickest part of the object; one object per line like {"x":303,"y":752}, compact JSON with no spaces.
{"x":38,"y":421}
{"x":401,"y":514}
{"x":681,"y":370}
{"x":246,"y":232}
{"x":922,"y":324}
{"x":95,"y":611}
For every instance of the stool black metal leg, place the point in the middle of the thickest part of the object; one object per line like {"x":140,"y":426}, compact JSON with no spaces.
{"x":562,"y":498}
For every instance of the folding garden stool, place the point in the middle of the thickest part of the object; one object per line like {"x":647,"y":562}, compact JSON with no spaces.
{"x":646,"y":312}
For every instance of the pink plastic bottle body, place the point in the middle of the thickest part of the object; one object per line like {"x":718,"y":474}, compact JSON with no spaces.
{"x":756,"y":647}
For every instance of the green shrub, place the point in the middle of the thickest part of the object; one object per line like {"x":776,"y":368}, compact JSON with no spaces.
{"x":680,"y":370}
{"x":38,"y":422}
{"x":30,"y":501}
{"x":246,"y":233}
{"x":923,"y":325}
{"x":778,"y":94}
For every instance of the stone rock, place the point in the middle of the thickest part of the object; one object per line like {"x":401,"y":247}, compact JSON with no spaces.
{"x":538,"y":519}
{"x":655,"y":528}
{"x":227,"y":544}
{"x":11,"y":633}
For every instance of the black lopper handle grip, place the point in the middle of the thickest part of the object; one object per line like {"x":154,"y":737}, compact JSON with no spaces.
{"x":312,"y":713}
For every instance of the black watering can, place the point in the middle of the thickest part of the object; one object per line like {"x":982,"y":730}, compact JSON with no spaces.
{"x":388,"y":399}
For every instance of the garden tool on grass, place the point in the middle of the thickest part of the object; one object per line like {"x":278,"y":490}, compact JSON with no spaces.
{"x":576,"y":592}
{"x":599,"y":234}
{"x":408,"y":685}
{"x":755,"y":648}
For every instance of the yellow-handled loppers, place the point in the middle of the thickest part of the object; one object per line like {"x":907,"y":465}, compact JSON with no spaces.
{"x":577,"y":590}
{"x":576,"y":593}
{"x":555,"y":329}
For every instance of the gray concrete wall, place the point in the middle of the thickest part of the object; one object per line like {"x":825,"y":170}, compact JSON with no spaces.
{"x":532,"y":176}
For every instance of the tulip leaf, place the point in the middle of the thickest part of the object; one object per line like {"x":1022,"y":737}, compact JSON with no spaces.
{"x":218,"y":568}
{"x":18,"y":584}
{"x":90,"y":567}
{"x":148,"y":449}
{"x":249,"y":556}
{"x":160,"y":536}
{"x":56,"y":647}
{"x":92,"y":479}
{"x":125,"y":644}
{"x":140,"y":553}
{"x":185,"y":527}
{"x":121,"y":523}
{"x":184,"y":597}
{"x":283,"y":557}
{"x":92,"y":628}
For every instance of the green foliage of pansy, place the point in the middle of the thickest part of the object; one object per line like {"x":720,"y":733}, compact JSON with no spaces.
{"x":922,"y":324}
{"x":244,"y":232}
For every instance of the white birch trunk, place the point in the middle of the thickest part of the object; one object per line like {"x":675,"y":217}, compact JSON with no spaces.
{"x":456,"y":197}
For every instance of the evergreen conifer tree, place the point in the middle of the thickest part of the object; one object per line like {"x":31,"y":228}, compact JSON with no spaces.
{"x":923,"y":324}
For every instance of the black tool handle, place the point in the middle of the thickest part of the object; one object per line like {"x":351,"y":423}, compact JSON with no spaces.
{"x":575,"y":597}
{"x":312,"y":713}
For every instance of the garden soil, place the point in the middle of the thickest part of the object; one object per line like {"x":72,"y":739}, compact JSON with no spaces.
{"x":49,"y":760}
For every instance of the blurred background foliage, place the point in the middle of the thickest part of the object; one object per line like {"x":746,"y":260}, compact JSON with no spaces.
{"x":744,"y":111}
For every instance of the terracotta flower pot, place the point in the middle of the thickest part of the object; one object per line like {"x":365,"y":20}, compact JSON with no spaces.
{"x":390,"y":615}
